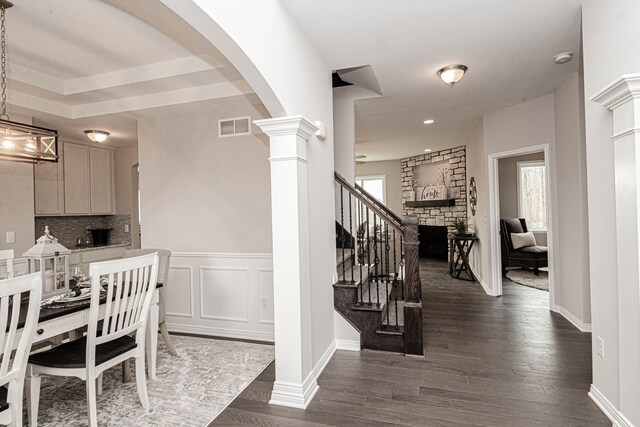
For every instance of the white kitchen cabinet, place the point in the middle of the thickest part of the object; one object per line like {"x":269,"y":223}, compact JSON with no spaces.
{"x":77,"y":188}
{"x":95,"y":255}
{"x":101,"y":180}
{"x":88,"y":180}
{"x":49,"y":186}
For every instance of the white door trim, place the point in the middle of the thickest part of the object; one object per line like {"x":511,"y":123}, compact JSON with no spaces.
{"x":494,"y":215}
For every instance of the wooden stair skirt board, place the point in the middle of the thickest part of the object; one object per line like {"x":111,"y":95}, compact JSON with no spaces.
{"x":368,"y":321}
{"x":372,"y":322}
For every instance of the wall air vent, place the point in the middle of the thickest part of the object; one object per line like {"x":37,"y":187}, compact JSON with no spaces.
{"x":236,"y":126}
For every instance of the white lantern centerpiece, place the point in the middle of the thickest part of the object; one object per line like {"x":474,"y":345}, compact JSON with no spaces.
{"x":51,"y":259}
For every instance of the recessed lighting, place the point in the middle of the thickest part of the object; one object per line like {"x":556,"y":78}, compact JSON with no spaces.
{"x":428,"y":122}
{"x":427,"y":150}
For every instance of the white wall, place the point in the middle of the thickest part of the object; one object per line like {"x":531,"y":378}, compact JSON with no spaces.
{"x":609,"y":26}
{"x":477,"y":168}
{"x":16,"y":202}
{"x":508,"y":172}
{"x":300,"y":79}
{"x":201,"y":193}
{"x":573,"y":232}
{"x":124,"y":159}
{"x":207,"y":199}
{"x":531,"y":124}
{"x":393,"y":176}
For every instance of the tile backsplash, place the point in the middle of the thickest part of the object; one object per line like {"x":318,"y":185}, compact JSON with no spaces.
{"x":68,"y":228}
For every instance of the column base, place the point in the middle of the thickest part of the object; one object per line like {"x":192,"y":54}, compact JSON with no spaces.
{"x":293,"y":395}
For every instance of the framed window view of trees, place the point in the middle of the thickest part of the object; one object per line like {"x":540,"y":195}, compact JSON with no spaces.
{"x":532,"y":203}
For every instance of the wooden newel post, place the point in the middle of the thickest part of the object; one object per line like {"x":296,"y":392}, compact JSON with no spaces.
{"x":413,"y":297}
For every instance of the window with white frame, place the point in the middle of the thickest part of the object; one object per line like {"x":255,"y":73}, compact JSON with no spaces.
{"x":374,"y":185}
{"x":532,"y":203}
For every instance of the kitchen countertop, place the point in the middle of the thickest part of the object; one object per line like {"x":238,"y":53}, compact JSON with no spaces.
{"x":93,"y":248}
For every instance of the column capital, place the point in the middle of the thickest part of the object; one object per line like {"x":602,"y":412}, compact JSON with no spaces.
{"x":289,"y":125}
{"x":623,"y":89}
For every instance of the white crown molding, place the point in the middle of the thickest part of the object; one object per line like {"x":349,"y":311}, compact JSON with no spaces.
{"x":623,"y":89}
{"x":134,"y":103}
{"x":159,"y":70}
{"x":162,"y":99}
{"x":289,"y":125}
{"x":145,"y":73}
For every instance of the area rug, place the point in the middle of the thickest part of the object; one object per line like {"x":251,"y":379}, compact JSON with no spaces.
{"x":527,"y":278}
{"x":190,"y":390}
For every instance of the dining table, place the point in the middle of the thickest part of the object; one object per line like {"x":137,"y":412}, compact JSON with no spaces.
{"x":55,"y":320}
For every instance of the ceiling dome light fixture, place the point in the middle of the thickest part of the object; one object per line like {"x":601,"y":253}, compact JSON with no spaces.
{"x":428,"y":122}
{"x":427,"y":150}
{"x":451,"y":74}
{"x":97,"y":135}
{"x":563,"y":58}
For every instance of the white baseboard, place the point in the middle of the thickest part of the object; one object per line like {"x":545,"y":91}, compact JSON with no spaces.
{"x":609,"y":410}
{"x":350,"y":345}
{"x":582,"y":327}
{"x":300,"y":395}
{"x":221,"y":332}
{"x":480,"y":280}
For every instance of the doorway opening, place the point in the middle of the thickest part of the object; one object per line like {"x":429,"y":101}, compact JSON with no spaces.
{"x":521,"y":220}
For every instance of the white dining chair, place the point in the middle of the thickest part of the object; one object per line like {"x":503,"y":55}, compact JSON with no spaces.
{"x":13,"y":365}
{"x":164,"y":259}
{"x":129,"y":289}
{"x":6,"y":255}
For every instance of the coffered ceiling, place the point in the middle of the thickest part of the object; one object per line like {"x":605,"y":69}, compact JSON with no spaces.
{"x":78,"y":64}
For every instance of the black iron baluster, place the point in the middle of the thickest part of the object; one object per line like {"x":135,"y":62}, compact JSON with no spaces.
{"x":342,"y":238}
{"x":402,"y":264}
{"x":386,"y":256}
{"x":376,"y":259}
{"x":360,"y":247}
{"x":351,"y":240}
{"x":368,"y":257}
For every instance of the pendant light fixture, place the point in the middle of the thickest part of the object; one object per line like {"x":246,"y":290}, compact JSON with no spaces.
{"x":20,"y":142}
{"x":451,"y":74}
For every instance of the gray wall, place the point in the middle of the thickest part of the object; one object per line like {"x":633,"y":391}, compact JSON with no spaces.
{"x":16,"y":202}
{"x":201,"y":193}
{"x":392,"y":173}
{"x":508,"y":171}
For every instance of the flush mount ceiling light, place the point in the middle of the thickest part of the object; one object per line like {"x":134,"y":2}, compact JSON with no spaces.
{"x":97,"y":135}
{"x":451,"y":74}
{"x":20,"y":142}
{"x":427,"y":150}
{"x":428,"y":122}
{"x":563,"y":58}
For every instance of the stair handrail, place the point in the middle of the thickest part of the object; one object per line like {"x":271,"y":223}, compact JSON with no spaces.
{"x":371,"y":202}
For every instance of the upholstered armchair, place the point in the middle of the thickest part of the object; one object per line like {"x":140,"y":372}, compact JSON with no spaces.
{"x":533,"y":256}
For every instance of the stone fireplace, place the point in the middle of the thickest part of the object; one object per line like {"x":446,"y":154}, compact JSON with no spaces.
{"x":444,"y":167}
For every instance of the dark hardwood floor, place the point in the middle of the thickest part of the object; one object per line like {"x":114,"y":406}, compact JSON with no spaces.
{"x":488,"y":361}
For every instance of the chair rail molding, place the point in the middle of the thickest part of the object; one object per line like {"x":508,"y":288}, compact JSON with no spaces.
{"x":622,"y":98}
{"x":294,"y":385}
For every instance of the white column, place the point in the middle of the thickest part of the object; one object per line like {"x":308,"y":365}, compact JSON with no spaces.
{"x":291,"y":277}
{"x":622,"y":97}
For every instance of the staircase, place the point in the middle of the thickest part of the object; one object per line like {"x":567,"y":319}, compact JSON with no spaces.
{"x":378,"y":280}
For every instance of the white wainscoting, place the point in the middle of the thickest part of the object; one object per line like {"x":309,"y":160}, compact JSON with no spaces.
{"x":220,"y":294}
